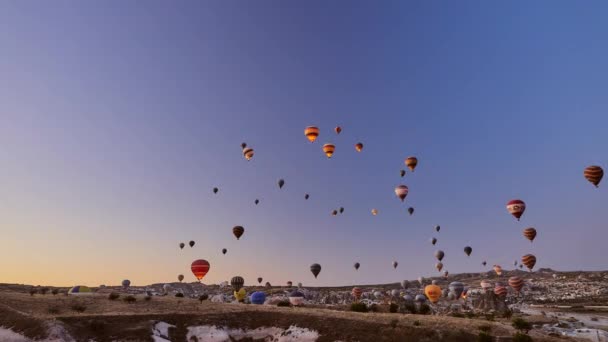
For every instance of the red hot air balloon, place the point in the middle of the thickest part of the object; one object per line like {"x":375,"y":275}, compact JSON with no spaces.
{"x":594,"y":174}
{"x":200,"y":268}
{"x":338,"y":129}
{"x":516,"y":283}
{"x":530,"y":233}
{"x":516,"y":208}
{"x":356,"y":292}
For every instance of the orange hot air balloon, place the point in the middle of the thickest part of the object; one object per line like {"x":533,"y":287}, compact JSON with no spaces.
{"x":516,"y":283}
{"x":498,"y":269}
{"x":594,"y":174}
{"x":338,"y":129}
{"x":358,"y":147}
{"x":411,"y":163}
{"x":529,"y":261}
{"x":200,"y":268}
{"x":433,"y":293}
{"x":311,"y":132}
{"x":329,"y":149}
{"x":238,"y":231}
{"x":530,"y":233}
{"x":248,"y":153}
{"x":357,"y":292}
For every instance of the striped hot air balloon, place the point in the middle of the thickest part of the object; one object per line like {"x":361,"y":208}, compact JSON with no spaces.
{"x":357,"y":292}
{"x":374,"y":212}
{"x":401,"y":191}
{"x":529,"y":261}
{"x":439,"y":266}
{"x":238,"y":231}
{"x":485,"y":284}
{"x":329,"y":149}
{"x":594,"y":174}
{"x":237,"y":282}
{"x":311,"y":132}
{"x":516,"y":283}
{"x":530,"y":233}
{"x":200,"y":268}
{"x":516,"y":208}
{"x":411,"y":163}
{"x":498,"y":269}
{"x":500,"y":290}
{"x":248,"y":153}
{"x":433,"y":293}
{"x":359,"y":147}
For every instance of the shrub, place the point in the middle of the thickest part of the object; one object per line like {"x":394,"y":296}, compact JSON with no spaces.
{"x":408,"y":308}
{"x":457,"y":315}
{"x":416,"y":323}
{"x":129,"y":299}
{"x":53,"y":310}
{"x":80,"y":308}
{"x":113,"y":296}
{"x":470,"y":314}
{"x":490,"y":317}
{"x":44,"y":290}
{"x":97,"y":326}
{"x":358,"y":307}
{"x":485,"y":328}
{"x":33,"y":292}
{"x":55,"y":292}
{"x":521,"y":324}
{"x":283,"y":303}
{"x":148,"y":298}
{"x":179,"y":295}
{"x":507,"y":314}
{"x":203,"y":297}
{"x":373,"y":308}
{"x":521,"y":337}
{"x":393,"y":308}
{"x":484,"y":337}
{"x":425,"y":309}
{"x":394,"y":323}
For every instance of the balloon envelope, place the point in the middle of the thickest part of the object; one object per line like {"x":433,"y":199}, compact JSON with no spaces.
{"x":258,"y":298}
{"x":200,"y":268}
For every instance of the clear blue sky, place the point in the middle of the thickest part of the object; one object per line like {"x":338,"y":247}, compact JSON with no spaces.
{"x":118,"y":118}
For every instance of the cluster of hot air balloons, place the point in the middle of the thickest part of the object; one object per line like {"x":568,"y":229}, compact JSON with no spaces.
{"x":312,"y":133}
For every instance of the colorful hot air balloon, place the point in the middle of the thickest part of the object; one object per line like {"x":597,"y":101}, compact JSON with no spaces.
{"x":357,"y":265}
{"x":311,"y":132}
{"x":238,"y":231}
{"x":437,"y":228}
{"x":457,"y":288}
{"x":421,"y":298}
{"x":516,"y":208}
{"x":237,"y":282}
{"x":433,"y":241}
{"x":395,"y":264}
{"x":200,"y":268}
{"x":356,"y":292}
{"x":374,"y":212}
{"x":281,"y":183}
{"x":439,"y":255}
{"x":516,"y":283}
{"x":329,"y":149}
{"x":180,"y":277}
{"x":529,"y":261}
{"x":257,"y":201}
{"x":411,"y":163}
{"x":594,"y":174}
{"x":224,"y":251}
{"x":439,"y":266}
{"x":334,"y":213}
{"x":410,"y":210}
{"x":530,"y":234}
{"x":468,"y":250}
{"x":402,"y":173}
{"x":191,"y":243}
{"x":445,"y":274}
{"x":243,"y":145}
{"x":433,"y":293}
{"x":306,"y":196}
{"x":240,"y":295}
{"x":358,"y":147}
{"x":182,"y":245}
{"x":296,"y":298}
{"x":401,"y":192}
{"x":215,"y":190}
{"x":486,"y":285}
{"x":498,"y":269}
{"x":338,"y":129}
{"x":248,"y":153}
{"x":315,"y":269}
{"x":500,"y":290}
{"x":126,"y":283}
{"x":258,"y":298}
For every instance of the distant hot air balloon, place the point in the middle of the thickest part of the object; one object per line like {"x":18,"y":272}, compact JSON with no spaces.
{"x":402,"y":173}
{"x":338,"y":129}
{"x":410,"y":210}
{"x":439,"y":266}
{"x":311,"y":132}
{"x":166,"y":288}
{"x":529,"y":261}
{"x":484,"y":263}
{"x":126,"y":283}
{"x":281,"y":183}
{"x":180,"y":277}
{"x":515,"y":263}
{"x":500,"y":290}
{"x":433,"y":241}
{"x":457,"y":288}
{"x":358,"y":147}
{"x":433,"y":293}
{"x":182,"y":245}
{"x":334,"y":213}
{"x":530,"y":233}
{"x":248,"y":153}
{"x":200,"y":268}
{"x":468,"y":250}
{"x":435,"y":282}
{"x":299,"y":285}
{"x":439,"y":255}
{"x":240,"y":295}
{"x":516,"y":283}
{"x":411,"y":163}
{"x":437,"y":228}
{"x":215,"y":190}
{"x":405,"y":284}
{"x":498,"y":269}
{"x":329,"y":149}
{"x":521,"y":266}
{"x":421,"y":298}
{"x":257,"y":201}
{"x":191,"y":243}
{"x":296,"y":298}
{"x":237,"y":282}
{"x":315,"y":269}
{"x":258,"y":298}
{"x":516,"y":208}
{"x":238,"y":231}
{"x":594,"y":175}
{"x":486,"y":285}
{"x":374,"y":212}
{"x":357,"y":265}
{"x":306,"y":196}
{"x":445,"y":274}
{"x":421,"y":280}
{"x":243,"y":145}
{"x":341,"y":210}
{"x":289,"y":283}
{"x":356,"y":292}
{"x":395,"y":264}
{"x":401,"y":192}
{"x":224,"y":251}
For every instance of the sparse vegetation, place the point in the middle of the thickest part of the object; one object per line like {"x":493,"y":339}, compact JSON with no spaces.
{"x":53,"y":310}
{"x":33,"y":291}
{"x":490,"y":317}
{"x":80,"y":308}
{"x":394,"y":323}
{"x":179,"y":295}
{"x":484,"y":337}
{"x":373,"y":308}
{"x":408,"y":308}
{"x":416,"y":323}
{"x":425,"y":309}
{"x":457,"y":315}
{"x":470,"y":314}
{"x":54,"y":292}
{"x":203,"y":297}
{"x":283,"y":303}
{"x":97,"y":326}
{"x":43,"y":290}
{"x":358,"y":307}
{"x":521,"y":324}
{"x":485,"y":328}
{"x":507,"y":314}
{"x":393,"y":308}
{"x":148,"y":298}
{"x":521,"y":337}
{"x":129,"y":299}
{"x":113,"y":296}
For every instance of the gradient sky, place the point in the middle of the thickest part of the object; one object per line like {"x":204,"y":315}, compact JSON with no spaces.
{"x":117,"y":118}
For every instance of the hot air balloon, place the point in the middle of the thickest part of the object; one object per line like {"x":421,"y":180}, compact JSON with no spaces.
{"x":237,"y":282}
{"x":401,"y":192}
{"x":329,"y":149}
{"x":421,"y":298}
{"x":200,"y":268}
{"x":296,"y":298}
{"x":437,"y":228}
{"x":402,"y":173}
{"x":357,"y":265}
{"x":411,"y":163}
{"x":500,"y":290}
{"x":267,"y":285}
{"x":410,"y":210}
{"x":434,"y":282}
{"x":281,"y":182}
{"x":356,"y":292}
{"x":521,"y":266}
{"x":182,"y":245}
{"x":421,"y":280}
{"x":289,"y":284}
{"x":299,"y":285}
{"x":306,"y":196}
{"x":439,"y":255}
{"x":224,"y":251}
{"x":439,"y":266}
{"x":260,"y":280}
{"x":484,"y":263}
{"x":594,"y":175}
{"x":126,"y":283}
{"x":243,"y":145}
{"x":358,"y":147}
{"x":191,"y":243}
{"x":433,"y":293}
{"x":394,"y":293}
{"x":498,"y":269}
{"x":311,"y":132}
{"x":215,"y":190}
{"x":408,"y":298}
{"x":338,"y":129}
{"x":516,"y":208}
{"x":529,"y":261}
{"x":445,"y":274}
{"x":341,"y":210}
{"x":530,"y":233}
{"x":258,"y":298}
{"x":257,"y":201}
{"x":166,"y":288}
{"x":395,"y":264}
{"x":374,"y":212}
{"x":315,"y":269}
{"x":486,"y":285}
{"x":238,"y":231}
{"x":248,"y":153}
{"x":334,"y":213}
{"x":433,"y":241}
{"x":457,"y":288}
{"x":240,"y":295}
{"x":445,"y":293}
{"x":180,"y":277}
{"x":468,"y":250}
{"x":515,"y":263}
{"x":516,"y":283}
{"x":378,"y":294}
{"x":405,"y":284}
